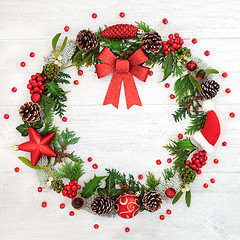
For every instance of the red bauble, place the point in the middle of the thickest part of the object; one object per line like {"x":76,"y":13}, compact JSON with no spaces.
{"x":127,"y":205}
{"x":36,"y":97}
{"x":191,"y":66}
{"x":170,"y":192}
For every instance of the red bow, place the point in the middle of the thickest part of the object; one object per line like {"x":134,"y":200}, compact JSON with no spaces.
{"x":123,"y":70}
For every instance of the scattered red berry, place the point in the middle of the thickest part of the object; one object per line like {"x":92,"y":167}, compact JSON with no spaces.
{"x":71,"y":213}
{"x":216,"y":161}
{"x":76,"y":82}
{"x":22,"y":64}
{"x":167,"y":85}
{"x":212,"y":180}
{"x":6,"y":116}
{"x":62,"y":206}
{"x":14,"y":89}
{"x":39,"y":189}
{"x":32,"y":54}
{"x":207,"y":53}
{"x":158,"y":162}
{"x":122,"y":14}
{"x":96,"y":226}
{"x":150,"y":73}
{"x":180,"y":136}
{"x":94,"y":15}
{"x":224,"y":144}
{"x":194,"y":40}
{"x":228,"y":90}
{"x":224,"y":74}
{"x":94,"y":166}
{"x":169,"y":160}
{"x":172,"y":96}
{"x":89,"y":159}
{"x":64,"y":119}
{"x":80,"y":72}
{"x":66,"y":28}
{"x":16,"y":169}
{"x":44,"y":204}
{"x":140,"y":176}
{"x":205,"y":185}
{"x":162,"y":217}
{"x":232,"y":114}
{"x":165,"y":21}
{"x":168,"y":211}
{"x":127,"y":229}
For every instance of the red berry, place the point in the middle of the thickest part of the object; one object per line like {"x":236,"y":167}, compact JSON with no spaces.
{"x":64,"y":192}
{"x":172,"y":49}
{"x":71,"y":213}
{"x":6,"y":116}
{"x":205,"y":185}
{"x":78,"y":187}
{"x":122,"y":14}
{"x":232,"y":114}
{"x":32,"y":54}
{"x":170,"y":36}
{"x":174,"y":45}
{"x":187,"y":163}
{"x":166,"y":52}
{"x":140,"y":176}
{"x":22,"y":64}
{"x":74,"y":188}
{"x":224,"y":144}
{"x":194,"y":40}
{"x":169,"y":160}
{"x":66,"y":28}
{"x":36,"y":89}
{"x":181,"y":42}
{"x":67,"y":187}
{"x":75,"y":182}
{"x":29,"y":86}
{"x":74,"y":194}
{"x":199,"y":171}
{"x":150,"y":73}
{"x":168,"y":211}
{"x":212,"y":180}
{"x":204,"y":163}
{"x":36,"y":97}
{"x":176,"y":35}
{"x":14,"y":89}
{"x":70,"y":183}
{"x":64,"y":119}
{"x":16,"y":169}
{"x":94,"y":15}
{"x":228,"y":90}
{"x":39,"y":189}
{"x":207,"y":53}
{"x":127,"y":229}
{"x":62,"y":206}
{"x":158,"y":162}
{"x":39,"y":84}
{"x":80,"y":72}
{"x":89,"y":159}
{"x":180,"y":136}
{"x":167,"y":85}
{"x":216,"y":161}
{"x":165,"y":47}
{"x":96,"y":226}
{"x":172,"y":96}
{"x":198,"y":161}
{"x":76,"y":82}
{"x":165,"y":21}
{"x":162,"y":217}
{"x":94,"y":166}
{"x":225,"y":74}
{"x":31,"y":91}
{"x":205,"y":158}
{"x":38,"y":75}
{"x":42,"y":87}
{"x":44,"y":204}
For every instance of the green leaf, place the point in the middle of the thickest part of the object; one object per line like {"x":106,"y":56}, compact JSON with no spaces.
{"x":167,"y":66}
{"x":23,"y":128}
{"x":63,"y":44}
{"x":77,"y":55}
{"x":195,"y":83}
{"x":188,"y":198}
{"x":177,"y":197}
{"x":186,"y":144}
{"x":211,"y":71}
{"x":91,"y":186}
{"x":28,"y":163}
{"x":55,"y":40}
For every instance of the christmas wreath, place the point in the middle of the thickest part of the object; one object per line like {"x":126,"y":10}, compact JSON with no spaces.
{"x":125,"y":50}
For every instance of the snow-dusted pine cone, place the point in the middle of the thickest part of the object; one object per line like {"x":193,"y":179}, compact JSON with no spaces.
{"x":30,"y":112}
{"x":86,"y":40}
{"x":152,"y":201}
{"x":101,"y":205}
{"x":210,"y":89}
{"x":151,"y":42}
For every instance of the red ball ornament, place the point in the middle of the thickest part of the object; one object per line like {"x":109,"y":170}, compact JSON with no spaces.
{"x":94,"y":15}
{"x":127,"y":205}
{"x":212,"y":180}
{"x":6,"y":116}
{"x":64,"y":119}
{"x":169,"y":160}
{"x":32,"y":54}
{"x":167,"y":85}
{"x":71,"y":213}
{"x":165,"y":21}
{"x":66,"y":28}
{"x":16,"y":169}
{"x":224,"y":74}
{"x":140,"y":176}
{"x":150,"y":73}
{"x":89,"y":159}
{"x":172,"y":96}
{"x":216,"y":161}
{"x":36,"y":97}
{"x":14,"y":89}
{"x":44,"y":204}
{"x":76,"y":82}
{"x":194,"y":40}
{"x":158,"y":162}
{"x":170,"y":192}
{"x":228,"y":90}
{"x":96,"y":226}
{"x":191,"y":66}
{"x":232,"y":114}
{"x":168,"y":211}
{"x":207,"y":53}
{"x":162,"y":217}
{"x":205,"y":185}
{"x":80,"y":72}
{"x":127,"y":229}
{"x":94,"y":166}
{"x":39,"y":189}
{"x":180,"y":136}
{"x":22,"y":64}
{"x":122,"y":14}
{"x":62,"y":206}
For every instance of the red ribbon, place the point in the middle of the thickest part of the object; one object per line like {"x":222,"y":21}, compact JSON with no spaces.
{"x":123,"y":71}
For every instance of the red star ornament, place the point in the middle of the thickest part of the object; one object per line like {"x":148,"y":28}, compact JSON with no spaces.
{"x":38,"y":145}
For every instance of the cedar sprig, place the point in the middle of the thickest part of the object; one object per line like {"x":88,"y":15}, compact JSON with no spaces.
{"x":197,"y":122}
{"x":152,"y":182}
{"x":62,"y":78}
{"x":168,"y":173}
{"x":47,"y":105}
{"x":177,"y":70}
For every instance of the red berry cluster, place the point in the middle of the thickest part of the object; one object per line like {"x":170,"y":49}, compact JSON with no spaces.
{"x":70,"y":190}
{"x":174,"y":42}
{"x":198,"y":161}
{"x":35,"y":84}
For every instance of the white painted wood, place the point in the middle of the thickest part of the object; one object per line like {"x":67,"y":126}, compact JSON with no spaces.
{"x":129,"y":140}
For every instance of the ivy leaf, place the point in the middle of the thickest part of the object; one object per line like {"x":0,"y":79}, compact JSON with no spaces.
{"x":177,"y":197}
{"x":23,"y":128}
{"x":63,"y":44}
{"x":91,"y":186}
{"x":167,"y":66}
{"x":211,"y":71}
{"x":195,"y":83}
{"x":186,"y":144}
{"x":188,"y":198}
{"x":55,"y":40}
{"x":28,"y":163}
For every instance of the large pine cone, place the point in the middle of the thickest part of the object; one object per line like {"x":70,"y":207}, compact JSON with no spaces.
{"x":152,"y":201}
{"x":30,"y":112}
{"x":151,"y":42}
{"x":210,"y":89}
{"x":101,"y":205}
{"x":86,"y":40}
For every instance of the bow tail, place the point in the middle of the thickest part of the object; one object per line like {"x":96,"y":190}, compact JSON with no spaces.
{"x":114,"y":89}
{"x":131,"y":93}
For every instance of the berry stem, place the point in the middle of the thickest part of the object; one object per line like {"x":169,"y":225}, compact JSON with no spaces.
{"x":47,"y":169}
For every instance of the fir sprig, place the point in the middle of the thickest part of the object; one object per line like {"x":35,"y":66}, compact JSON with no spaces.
{"x":143,"y":26}
{"x":197,"y":122}
{"x":168,"y":173}
{"x":62,"y":78}
{"x":152,"y":182}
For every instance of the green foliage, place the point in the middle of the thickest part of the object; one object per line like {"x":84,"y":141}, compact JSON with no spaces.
{"x":55,"y":40}
{"x":195,"y":83}
{"x":197,"y":122}
{"x":47,"y":105}
{"x":91,"y":186}
{"x":177,"y":70}
{"x":62,"y":78}
{"x":143,"y":26}
{"x":168,"y":173}
{"x":177,"y":197}
{"x":211,"y":71}
{"x":167,"y":66}
{"x":23,"y":128}
{"x":28,"y":163}
{"x":156,"y":58}
{"x":54,"y":44}
{"x":152,"y":182}
{"x":188,"y":198}
{"x":70,"y":170}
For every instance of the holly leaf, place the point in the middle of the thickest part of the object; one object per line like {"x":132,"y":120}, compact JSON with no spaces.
{"x":23,"y":128}
{"x":188,"y":198}
{"x":28,"y":163}
{"x":167,"y":66}
{"x":55,"y":40}
{"x":177,"y":197}
{"x":91,"y":186}
{"x":110,"y":190}
{"x":211,"y":71}
{"x":54,"y":89}
{"x":195,"y":83}
{"x":186,"y":144}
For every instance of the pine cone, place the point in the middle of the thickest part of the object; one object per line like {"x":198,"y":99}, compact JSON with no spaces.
{"x":50,"y":71}
{"x":151,"y":42}
{"x":86,"y":40}
{"x":188,"y":175}
{"x":58,"y":186}
{"x":210,"y":89}
{"x":101,"y":205}
{"x":30,"y":112}
{"x":120,"y":31}
{"x":152,"y":201}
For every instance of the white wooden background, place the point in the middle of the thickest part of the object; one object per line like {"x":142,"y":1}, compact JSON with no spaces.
{"x":129,"y":140}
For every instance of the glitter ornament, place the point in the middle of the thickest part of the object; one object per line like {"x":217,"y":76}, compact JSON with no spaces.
{"x":170,"y":193}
